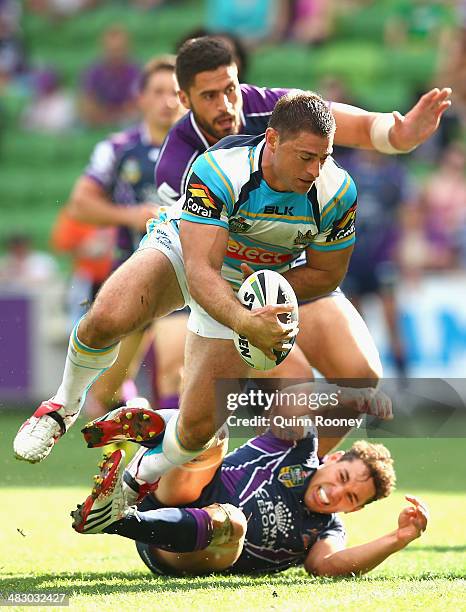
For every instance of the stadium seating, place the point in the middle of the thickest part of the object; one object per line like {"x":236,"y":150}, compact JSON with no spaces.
{"x":37,"y":171}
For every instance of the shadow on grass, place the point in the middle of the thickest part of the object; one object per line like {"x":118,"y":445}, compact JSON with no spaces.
{"x":91,"y":583}
{"x":440,"y":549}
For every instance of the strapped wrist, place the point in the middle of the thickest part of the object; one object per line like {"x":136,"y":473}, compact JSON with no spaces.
{"x":380,"y":134}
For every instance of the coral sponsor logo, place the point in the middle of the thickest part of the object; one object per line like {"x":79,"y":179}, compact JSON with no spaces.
{"x":236,"y":250}
{"x":201,"y":202}
{"x":345,"y":226}
{"x":201,"y":192}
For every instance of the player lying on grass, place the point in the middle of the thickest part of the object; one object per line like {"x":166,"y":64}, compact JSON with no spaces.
{"x":266,"y":506}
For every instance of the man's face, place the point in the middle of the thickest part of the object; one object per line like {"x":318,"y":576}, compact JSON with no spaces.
{"x":159,"y":101}
{"x":216,"y":102}
{"x":298,"y":159}
{"x":339,"y":486}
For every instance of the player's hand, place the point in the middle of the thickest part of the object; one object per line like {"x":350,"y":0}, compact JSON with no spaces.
{"x":264,"y":330}
{"x":139,"y":215}
{"x":246,"y":270}
{"x":367,"y":401}
{"x":421,"y":121}
{"x":412,"y":521}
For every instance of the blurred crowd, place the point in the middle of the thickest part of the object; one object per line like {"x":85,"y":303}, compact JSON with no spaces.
{"x":412,"y":222}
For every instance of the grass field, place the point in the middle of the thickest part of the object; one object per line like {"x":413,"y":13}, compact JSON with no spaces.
{"x":40,"y":552}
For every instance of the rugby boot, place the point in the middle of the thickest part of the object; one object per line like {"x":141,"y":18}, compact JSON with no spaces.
{"x":106,"y":503}
{"x":126,"y":423}
{"x":37,"y":436}
{"x":136,"y":488}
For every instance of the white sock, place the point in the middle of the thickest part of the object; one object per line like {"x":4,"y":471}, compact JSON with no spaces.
{"x":82,"y":367}
{"x":153,"y":463}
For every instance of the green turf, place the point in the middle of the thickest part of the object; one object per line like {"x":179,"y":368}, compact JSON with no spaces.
{"x":39,"y":551}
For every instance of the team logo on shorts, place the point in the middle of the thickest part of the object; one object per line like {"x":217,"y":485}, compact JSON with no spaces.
{"x":292,"y":476}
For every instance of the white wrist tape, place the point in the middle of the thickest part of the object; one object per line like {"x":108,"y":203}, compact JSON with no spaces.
{"x":380,"y":131}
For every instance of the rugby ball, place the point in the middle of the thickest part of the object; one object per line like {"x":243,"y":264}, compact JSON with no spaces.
{"x":265,"y":288}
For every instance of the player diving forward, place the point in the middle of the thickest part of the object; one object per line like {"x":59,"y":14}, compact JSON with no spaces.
{"x":219,"y":106}
{"x":266,"y":506}
{"x":288,"y":168}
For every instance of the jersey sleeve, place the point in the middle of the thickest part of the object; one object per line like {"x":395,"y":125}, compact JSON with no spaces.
{"x":338,"y":219}
{"x":209,"y":196}
{"x":172,"y":168}
{"x":101,"y":167}
{"x":334,"y":529}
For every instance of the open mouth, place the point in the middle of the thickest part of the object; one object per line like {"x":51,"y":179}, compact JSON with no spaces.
{"x":225,"y":123}
{"x":322,"y":496}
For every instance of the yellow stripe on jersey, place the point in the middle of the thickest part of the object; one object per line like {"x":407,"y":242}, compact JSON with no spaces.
{"x":251,"y":160}
{"x":337,"y":198}
{"x":262,"y":214}
{"x":223,"y":178}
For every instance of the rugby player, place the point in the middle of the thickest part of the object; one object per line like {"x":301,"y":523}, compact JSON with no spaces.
{"x":266,"y":506}
{"x":117,"y":189}
{"x":288,"y":167}
{"x":219,"y":106}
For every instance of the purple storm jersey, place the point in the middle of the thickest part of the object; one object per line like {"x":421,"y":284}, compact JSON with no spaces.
{"x":185,"y":141}
{"x":123,"y":165}
{"x":267,"y":478}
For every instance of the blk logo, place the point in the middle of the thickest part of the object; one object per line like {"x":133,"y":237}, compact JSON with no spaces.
{"x":279,"y":210}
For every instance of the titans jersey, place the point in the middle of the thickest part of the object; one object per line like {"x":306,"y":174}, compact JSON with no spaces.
{"x":267,"y":478}
{"x":124,"y":166}
{"x":267,"y":228}
{"x":185,"y":141}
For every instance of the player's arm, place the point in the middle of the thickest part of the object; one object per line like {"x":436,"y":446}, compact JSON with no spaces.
{"x":204,"y":237}
{"x":204,"y":247}
{"x":329,"y":253}
{"x":391,"y":132}
{"x":90,"y":203}
{"x":328,"y":558}
{"x":321,"y":274}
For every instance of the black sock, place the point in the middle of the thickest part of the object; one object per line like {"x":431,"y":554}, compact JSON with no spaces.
{"x":173,"y":529}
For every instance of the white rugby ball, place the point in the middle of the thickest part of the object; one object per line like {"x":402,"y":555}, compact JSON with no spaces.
{"x":265,"y":288}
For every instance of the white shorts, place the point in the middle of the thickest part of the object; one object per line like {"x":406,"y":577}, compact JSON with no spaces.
{"x":165,"y":239}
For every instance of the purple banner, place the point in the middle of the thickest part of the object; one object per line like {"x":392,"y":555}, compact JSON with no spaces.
{"x":15,"y":350}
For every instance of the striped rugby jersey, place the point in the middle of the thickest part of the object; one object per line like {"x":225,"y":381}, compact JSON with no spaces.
{"x":267,"y":229}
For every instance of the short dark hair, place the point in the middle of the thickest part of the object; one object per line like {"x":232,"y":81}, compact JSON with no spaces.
{"x":302,"y":111}
{"x":199,"y":55}
{"x":379,"y":464}
{"x":156,"y":64}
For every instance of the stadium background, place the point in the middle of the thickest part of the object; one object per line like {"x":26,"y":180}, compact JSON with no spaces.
{"x":382,"y":54}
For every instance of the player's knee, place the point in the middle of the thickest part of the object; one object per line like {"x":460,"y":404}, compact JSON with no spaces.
{"x":99,"y":327}
{"x":105,"y":323}
{"x":229,"y":523}
{"x":238,"y":521}
{"x":365,"y":369}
